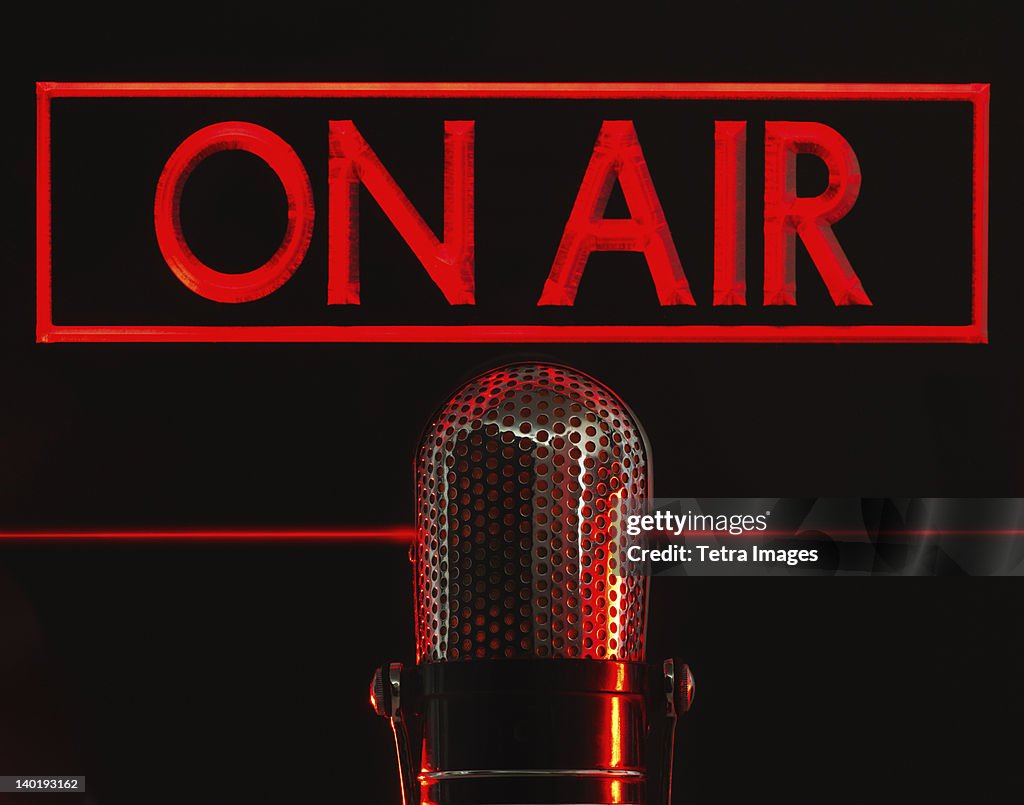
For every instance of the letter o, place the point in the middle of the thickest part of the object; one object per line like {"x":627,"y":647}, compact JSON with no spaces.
{"x":206,"y":281}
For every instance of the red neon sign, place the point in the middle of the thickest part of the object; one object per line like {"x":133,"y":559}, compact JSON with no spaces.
{"x":449,"y":258}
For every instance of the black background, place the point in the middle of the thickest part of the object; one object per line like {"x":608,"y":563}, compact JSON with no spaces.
{"x":231,"y":673}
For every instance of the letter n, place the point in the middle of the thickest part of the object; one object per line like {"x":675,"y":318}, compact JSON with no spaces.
{"x":449,"y":262}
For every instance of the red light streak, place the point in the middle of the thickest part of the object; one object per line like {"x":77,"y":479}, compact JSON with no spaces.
{"x":400,"y":535}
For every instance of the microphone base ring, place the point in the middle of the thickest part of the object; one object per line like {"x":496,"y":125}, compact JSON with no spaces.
{"x":535,"y":791}
{"x":467,"y":774}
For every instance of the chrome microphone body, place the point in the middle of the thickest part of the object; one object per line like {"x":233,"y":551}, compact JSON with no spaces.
{"x":530,"y":684}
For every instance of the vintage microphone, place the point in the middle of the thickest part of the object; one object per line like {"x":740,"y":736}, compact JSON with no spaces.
{"x":530,"y":684}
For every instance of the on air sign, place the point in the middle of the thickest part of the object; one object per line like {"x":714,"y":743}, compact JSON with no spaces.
{"x":512,"y":212}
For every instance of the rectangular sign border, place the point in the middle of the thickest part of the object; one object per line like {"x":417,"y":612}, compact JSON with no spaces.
{"x":974,"y":333}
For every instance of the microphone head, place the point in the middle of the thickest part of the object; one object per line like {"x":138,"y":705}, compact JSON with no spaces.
{"x":524,"y":479}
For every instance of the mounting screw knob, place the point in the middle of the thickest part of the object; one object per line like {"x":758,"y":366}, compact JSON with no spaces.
{"x":684,"y":688}
{"x":385,"y":689}
{"x":679,"y":686}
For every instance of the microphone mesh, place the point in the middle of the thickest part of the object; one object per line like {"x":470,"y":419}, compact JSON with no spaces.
{"x":523,"y":481}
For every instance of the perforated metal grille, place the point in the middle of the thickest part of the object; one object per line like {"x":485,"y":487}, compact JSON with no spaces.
{"x":522,"y":482}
